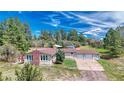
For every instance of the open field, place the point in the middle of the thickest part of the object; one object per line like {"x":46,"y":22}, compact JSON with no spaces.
{"x":66,"y":71}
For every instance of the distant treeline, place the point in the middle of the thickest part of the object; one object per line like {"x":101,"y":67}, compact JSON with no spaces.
{"x":61,"y":37}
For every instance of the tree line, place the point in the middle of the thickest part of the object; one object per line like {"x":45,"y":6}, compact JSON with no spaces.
{"x":64,"y":38}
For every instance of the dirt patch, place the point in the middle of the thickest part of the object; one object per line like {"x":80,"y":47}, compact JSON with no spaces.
{"x":93,"y":75}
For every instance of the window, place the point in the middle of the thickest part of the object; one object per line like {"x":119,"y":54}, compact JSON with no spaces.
{"x":29,"y":57}
{"x":41,"y":57}
{"x":44,"y":57}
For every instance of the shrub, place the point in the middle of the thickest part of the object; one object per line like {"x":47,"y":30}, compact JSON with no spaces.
{"x":28,"y":73}
{"x":8,"y":53}
{"x":60,"y":56}
{"x":76,"y":44}
{"x":1,"y":76}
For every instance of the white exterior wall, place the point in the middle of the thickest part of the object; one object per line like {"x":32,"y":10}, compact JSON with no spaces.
{"x":69,"y":55}
{"x":48,"y":62}
{"x":52,"y":59}
{"x":25,"y":59}
{"x":88,"y":56}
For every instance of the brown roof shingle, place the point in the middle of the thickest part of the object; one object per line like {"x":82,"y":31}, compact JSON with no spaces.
{"x":52,"y":51}
{"x":87,"y":52}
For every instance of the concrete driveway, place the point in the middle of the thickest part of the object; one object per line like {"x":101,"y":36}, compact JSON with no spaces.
{"x":88,"y":65}
{"x":90,"y":70}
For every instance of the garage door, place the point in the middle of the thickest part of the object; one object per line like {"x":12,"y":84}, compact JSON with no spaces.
{"x":85,"y":56}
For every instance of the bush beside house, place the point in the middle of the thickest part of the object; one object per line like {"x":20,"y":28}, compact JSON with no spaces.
{"x":60,"y":56}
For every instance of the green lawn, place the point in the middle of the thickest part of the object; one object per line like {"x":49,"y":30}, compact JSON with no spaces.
{"x":113,"y":69}
{"x":70,"y":63}
{"x":102,"y":50}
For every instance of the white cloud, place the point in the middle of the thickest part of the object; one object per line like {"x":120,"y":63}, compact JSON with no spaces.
{"x":85,"y":36}
{"x":65,"y":14}
{"x":91,"y":21}
{"x":117,"y":17}
{"x":94,"y":31}
{"x":54,"y":22}
{"x":101,"y":19}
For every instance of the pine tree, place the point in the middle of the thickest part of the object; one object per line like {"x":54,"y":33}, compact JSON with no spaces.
{"x":14,"y":32}
{"x":60,"y":56}
{"x":28,"y":73}
{"x":72,"y":35}
{"x":112,"y":41}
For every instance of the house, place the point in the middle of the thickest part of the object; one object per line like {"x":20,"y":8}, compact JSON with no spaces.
{"x":48,"y":55}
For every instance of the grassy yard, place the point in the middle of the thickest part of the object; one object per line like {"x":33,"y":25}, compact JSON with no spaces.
{"x":114,"y":69}
{"x":100,"y":50}
{"x":70,"y":63}
{"x":104,"y":53}
{"x":8,"y":69}
{"x":66,"y":71}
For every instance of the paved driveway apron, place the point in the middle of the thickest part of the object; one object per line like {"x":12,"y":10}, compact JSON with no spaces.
{"x":90,"y":70}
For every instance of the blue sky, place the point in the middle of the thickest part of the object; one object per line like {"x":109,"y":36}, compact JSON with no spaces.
{"x":91,"y":24}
